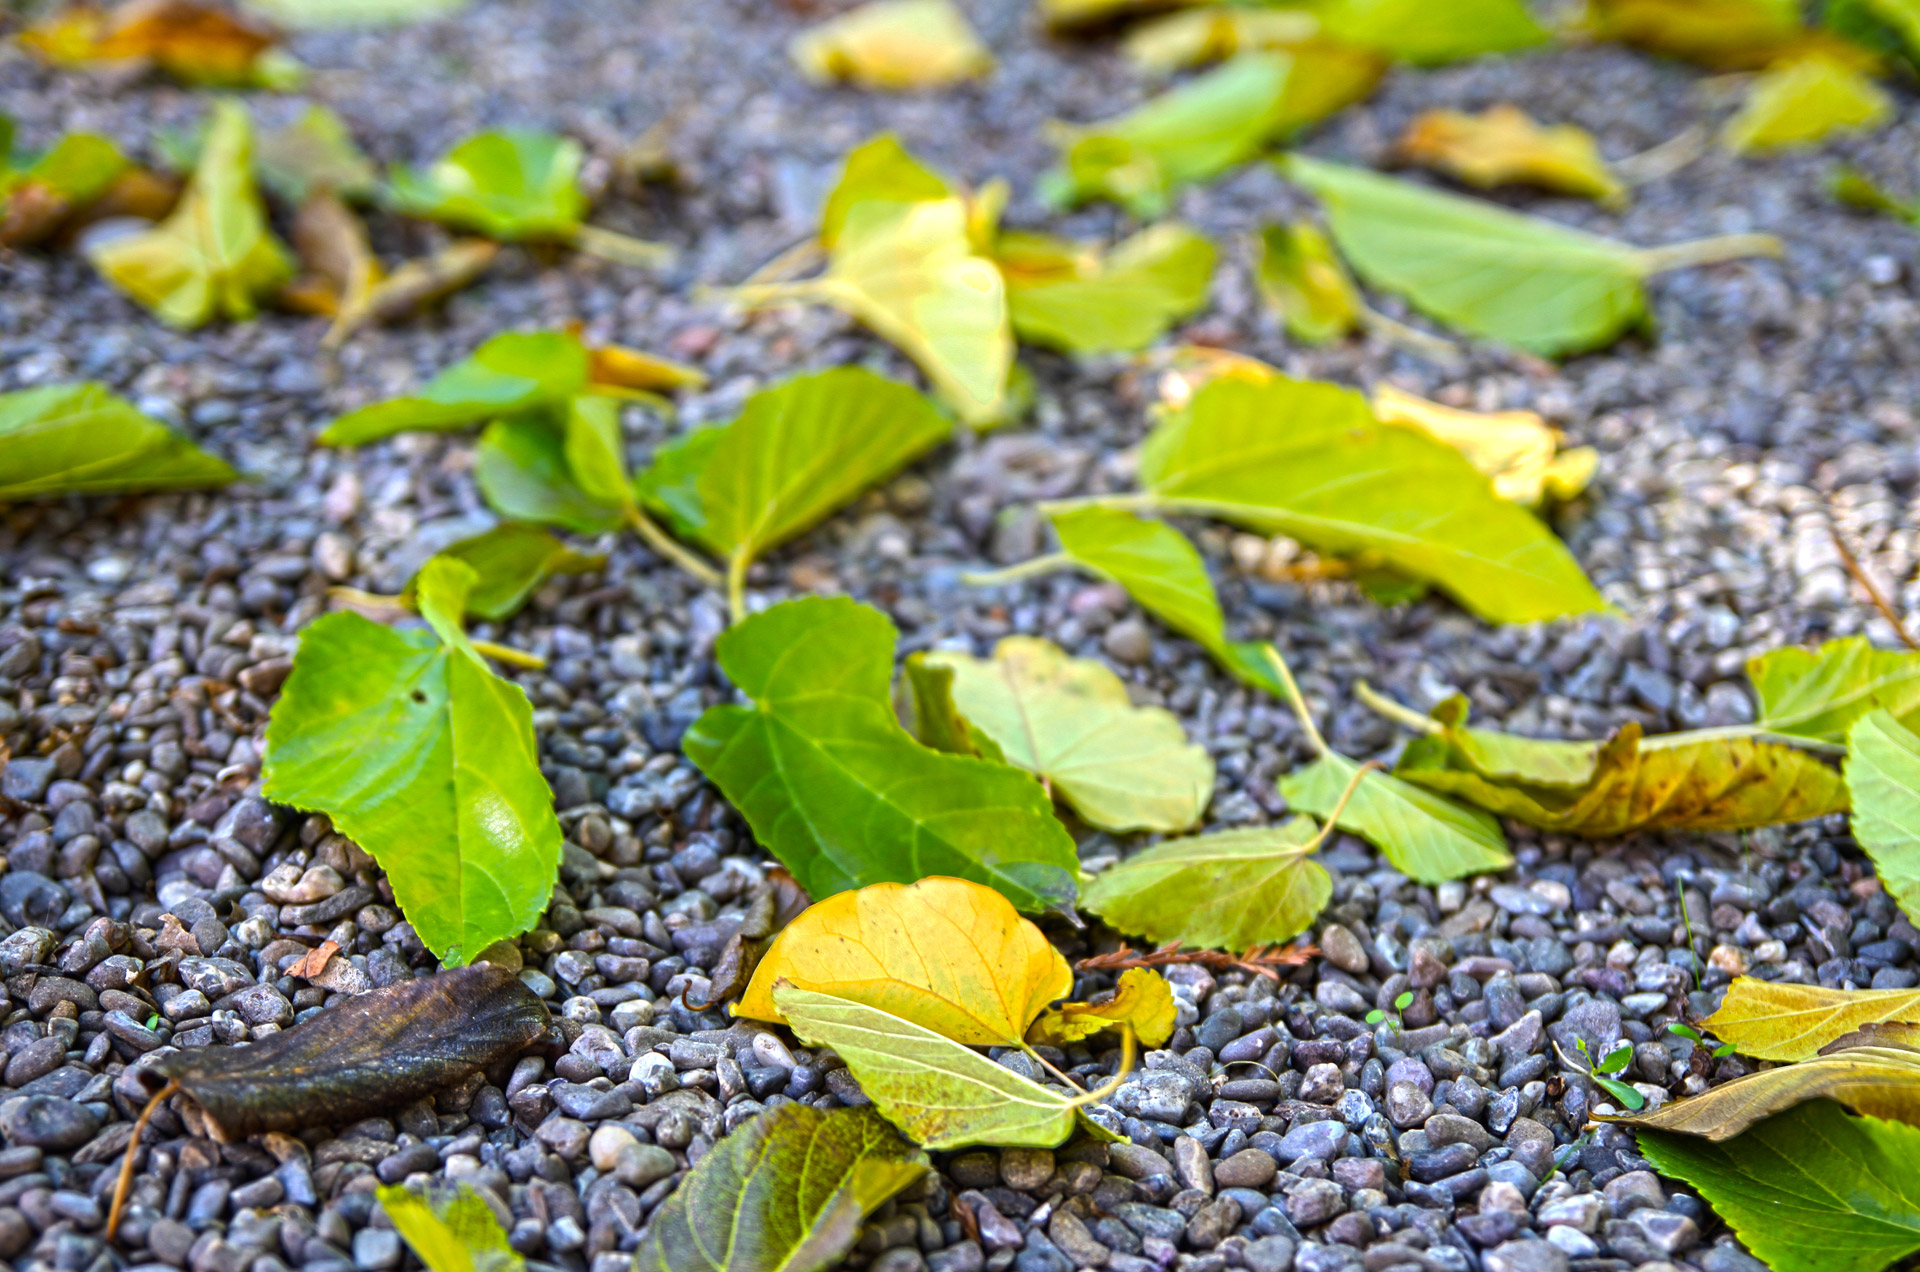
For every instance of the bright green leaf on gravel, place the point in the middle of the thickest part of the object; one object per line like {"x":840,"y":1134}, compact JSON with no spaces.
{"x":427,"y":760}
{"x":1804,"y":102}
{"x":1814,"y":1189}
{"x":1065,"y":296}
{"x":1070,"y":722}
{"x":1230,"y":891}
{"x":1303,"y":279}
{"x":1426,"y":836}
{"x":1190,"y":133}
{"x":941,"y":1094}
{"x":522,"y":470}
{"x":1821,"y":693}
{"x":1477,"y":266}
{"x":1310,"y":461}
{"x":509,"y":562}
{"x":1883,"y":782}
{"x":450,"y":1228}
{"x":79,"y":439}
{"x":509,"y":374}
{"x":786,"y":1192}
{"x":1426,"y":34}
{"x":511,"y":185}
{"x":215,"y":255}
{"x":835,"y":788}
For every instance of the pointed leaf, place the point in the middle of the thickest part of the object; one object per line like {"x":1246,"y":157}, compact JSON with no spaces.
{"x":450,"y":1228}
{"x":1125,"y":299}
{"x":1781,"y":1021}
{"x":522,"y":469}
{"x":1141,"y":1001}
{"x":508,"y":563}
{"x":427,"y":760}
{"x":1822,"y":693}
{"x":1504,"y":146}
{"x":1418,"y":32}
{"x":1070,"y":722}
{"x":896,"y":45}
{"x":935,"y":1090}
{"x":1804,"y":102}
{"x":949,"y":955}
{"x":881,"y":170}
{"x":508,"y":375}
{"x":515,"y":184}
{"x":1515,"y":448}
{"x":1426,"y":836}
{"x":81,"y":439}
{"x":1309,"y":460}
{"x":1302,"y":278}
{"x":786,"y":1192}
{"x":840,"y":793}
{"x":1230,"y":891}
{"x":1876,"y":1081}
{"x":1883,"y":781}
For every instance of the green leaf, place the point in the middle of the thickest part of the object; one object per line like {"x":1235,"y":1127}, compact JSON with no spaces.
{"x":1891,"y":25}
{"x":935,"y":720}
{"x":1065,"y":297}
{"x":786,"y":1192}
{"x":1883,"y":782}
{"x":79,"y":168}
{"x":508,"y":563}
{"x":881,"y":170}
{"x":1857,"y":190}
{"x":1420,"y":32}
{"x":508,"y":375}
{"x":512,"y":185}
{"x":596,"y":451}
{"x":313,"y":15}
{"x":1303,"y":279}
{"x":1070,"y":722}
{"x":1228,"y":891}
{"x":1540,"y":286}
{"x":1804,"y":102}
{"x":1626,"y":783}
{"x":427,"y":760}
{"x":450,"y":1229}
{"x":941,"y":1094}
{"x":1191,"y":133}
{"x":215,"y":255}
{"x":1812,"y":1190}
{"x":1309,"y":460}
{"x":522,"y":470}
{"x":81,"y":439}
{"x":670,"y":486}
{"x":840,"y":793}
{"x":1821,"y":693}
{"x":314,"y":152}
{"x":1426,"y":836}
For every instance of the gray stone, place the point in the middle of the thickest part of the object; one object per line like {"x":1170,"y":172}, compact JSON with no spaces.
{"x":47,"y":1122}
{"x":1528,"y":1255}
{"x":1190,"y":1164}
{"x":1451,"y":1128}
{"x":1322,"y":1140}
{"x":1025,"y":1169}
{"x":1269,"y":1254}
{"x":1314,"y":1201}
{"x":1248,"y":1168}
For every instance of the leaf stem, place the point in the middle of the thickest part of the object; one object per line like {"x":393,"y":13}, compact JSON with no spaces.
{"x":621,"y":249}
{"x":1027,"y":569}
{"x":1143,"y":502}
{"x":125,"y":1181}
{"x":1664,"y":158}
{"x":1405,"y":717}
{"x":1296,"y":700}
{"x":1707,"y":251}
{"x":509,"y":655}
{"x":1112,"y":1084}
{"x":665,"y":544}
{"x":737,"y":584}
{"x":1042,"y":1062}
{"x":1425,"y":344}
{"x":1340,"y":806}
{"x":366,"y":600}
{"x":1872,"y":589}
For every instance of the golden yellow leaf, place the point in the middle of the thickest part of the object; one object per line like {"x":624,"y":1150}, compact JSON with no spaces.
{"x":893,"y":45}
{"x":193,"y":41}
{"x":1877,"y":1081}
{"x":1772,"y":1021}
{"x":1141,"y":1000}
{"x":1801,"y":102}
{"x":946,"y":954}
{"x":1504,"y":146}
{"x":618,"y":367}
{"x":413,"y":285}
{"x":1728,"y":35}
{"x":1196,"y":36}
{"x":1515,"y":448}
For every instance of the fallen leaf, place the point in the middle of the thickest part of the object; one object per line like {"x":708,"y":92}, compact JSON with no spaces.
{"x":1194,"y":37}
{"x":194,"y":42}
{"x":1857,"y":190}
{"x":1303,"y":279}
{"x":1541,"y":286}
{"x":81,"y":439}
{"x":1888,"y":26}
{"x":1232,"y":890}
{"x":884,"y":171}
{"x":374,"y":1053}
{"x":428,"y":761}
{"x":1725,"y":34}
{"x":523,"y":473}
{"x":785,"y":1192}
{"x":1426,"y":836}
{"x":1822,"y":693}
{"x":1626,"y":783}
{"x":948,"y":955}
{"x":511,"y":185}
{"x":642,"y":374}
{"x":314,"y":961}
{"x":1883,"y":783}
{"x":215,"y":255}
{"x":1783,"y":1021}
{"x":840,"y":793}
{"x":42,"y":196}
{"x":449,"y":1227}
{"x":414,"y":285}
{"x":1516,"y":449}
{"x":1804,"y":102}
{"x":315,"y":15}
{"x":1070,"y":722}
{"x":1418,"y":32}
{"x":1140,"y":1001}
{"x":508,"y":563}
{"x":1876,"y":1081}
{"x":342,"y":270}
{"x":1080,"y":15}
{"x":894,"y":45}
{"x":927,"y":705}
{"x":1504,"y":146}
{"x":1811,"y":1190}
{"x":939,"y":1093}
{"x":314,"y":152}
{"x":1065,"y":296}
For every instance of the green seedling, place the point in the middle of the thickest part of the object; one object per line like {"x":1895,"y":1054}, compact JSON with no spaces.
{"x":1687,"y":1031}
{"x":1380,"y":1015}
{"x":1613,"y":1062}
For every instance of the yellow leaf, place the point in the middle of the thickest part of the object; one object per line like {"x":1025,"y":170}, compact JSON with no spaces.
{"x":196,"y":42}
{"x":1772,"y":1021}
{"x":618,"y":367}
{"x":1515,"y":448}
{"x":1801,"y":102}
{"x":1196,"y":36}
{"x":1724,"y":34}
{"x":1141,"y":1001}
{"x":1191,"y":368}
{"x":1302,"y":277}
{"x":1504,"y":146}
{"x":946,"y":954}
{"x":1876,"y":1081}
{"x":894,"y":45}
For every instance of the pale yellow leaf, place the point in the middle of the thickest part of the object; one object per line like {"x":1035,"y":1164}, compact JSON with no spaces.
{"x":1504,"y":146}
{"x":1517,"y":449}
{"x":1141,"y":1001}
{"x":894,"y":45}
{"x":1780,"y":1021}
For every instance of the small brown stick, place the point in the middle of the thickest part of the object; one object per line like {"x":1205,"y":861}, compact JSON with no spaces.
{"x":1259,"y":960}
{"x":125,"y":1182}
{"x":1872,"y":589}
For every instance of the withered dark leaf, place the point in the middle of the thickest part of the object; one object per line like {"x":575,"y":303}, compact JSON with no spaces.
{"x":777,"y":903}
{"x":375,"y":1052}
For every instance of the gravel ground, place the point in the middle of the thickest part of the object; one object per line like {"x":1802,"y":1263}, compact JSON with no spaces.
{"x":142,"y":643}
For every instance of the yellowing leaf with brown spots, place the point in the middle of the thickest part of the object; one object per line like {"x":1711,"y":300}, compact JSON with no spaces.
{"x":1140,"y":1001}
{"x":198,"y":43}
{"x":1877,"y":1081}
{"x":894,"y":45}
{"x":1516,"y":448}
{"x":1504,"y":146}
{"x":1772,"y":1021}
{"x":945,"y":954}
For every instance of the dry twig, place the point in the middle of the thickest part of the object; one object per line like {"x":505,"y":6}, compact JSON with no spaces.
{"x":1872,"y":589}
{"x":1260,"y":960}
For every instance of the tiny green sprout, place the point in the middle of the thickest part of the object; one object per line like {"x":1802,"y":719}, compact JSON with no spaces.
{"x":1375,"y":1016}
{"x":1379,"y":1015}
{"x":1720,"y":1052}
{"x":153,"y":1020}
{"x":1404,"y":1001}
{"x":1616,"y":1060}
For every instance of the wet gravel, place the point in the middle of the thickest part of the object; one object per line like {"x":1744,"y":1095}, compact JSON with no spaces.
{"x":150,"y":898}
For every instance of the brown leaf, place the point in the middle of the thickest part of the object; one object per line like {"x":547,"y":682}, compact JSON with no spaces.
{"x":1879,"y":1081}
{"x":191,"y":40}
{"x":413,"y":286}
{"x":340,"y":265}
{"x":1504,"y":146}
{"x":375,"y":1052}
{"x":314,"y":961}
